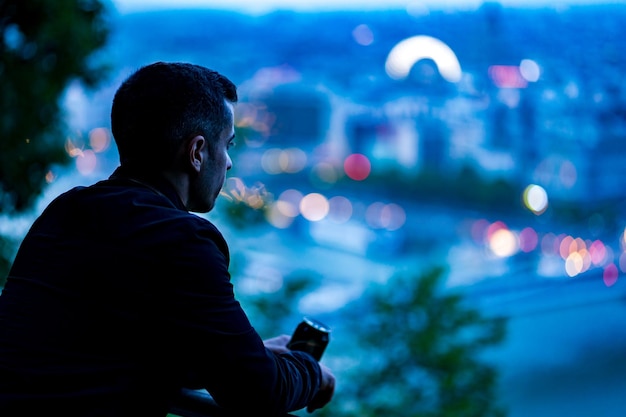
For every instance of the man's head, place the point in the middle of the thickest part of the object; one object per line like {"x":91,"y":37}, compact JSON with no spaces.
{"x":164,"y":112}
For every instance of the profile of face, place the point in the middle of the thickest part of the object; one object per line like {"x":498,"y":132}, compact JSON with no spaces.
{"x":206,"y":186}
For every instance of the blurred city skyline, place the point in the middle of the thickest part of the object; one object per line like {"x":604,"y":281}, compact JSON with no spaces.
{"x":326,"y":141}
{"x":265,"y":6}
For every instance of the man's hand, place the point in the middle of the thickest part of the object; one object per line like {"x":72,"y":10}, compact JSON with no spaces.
{"x":326,"y":391}
{"x":278,"y":344}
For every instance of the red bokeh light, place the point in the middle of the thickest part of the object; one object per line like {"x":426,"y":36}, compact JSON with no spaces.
{"x":357,"y":166}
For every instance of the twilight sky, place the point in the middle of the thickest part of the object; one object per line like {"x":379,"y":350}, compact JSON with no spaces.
{"x":262,"y":6}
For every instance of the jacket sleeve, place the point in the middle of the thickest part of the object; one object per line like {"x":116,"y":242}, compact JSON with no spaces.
{"x":218,"y":344}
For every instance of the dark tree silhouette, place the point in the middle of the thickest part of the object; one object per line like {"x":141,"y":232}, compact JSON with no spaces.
{"x":44,"y":45}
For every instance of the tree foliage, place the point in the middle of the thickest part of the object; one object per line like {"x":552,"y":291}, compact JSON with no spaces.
{"x":405,"y":348}
{"x":417,"y":351}
{"x":45,"y":44}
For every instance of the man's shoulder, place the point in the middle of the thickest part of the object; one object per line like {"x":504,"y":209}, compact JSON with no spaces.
{"x":134,"y":206}
{"x":201,"y":227}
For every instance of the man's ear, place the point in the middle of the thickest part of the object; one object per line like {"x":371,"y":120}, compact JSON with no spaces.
{"x":194,"y":152}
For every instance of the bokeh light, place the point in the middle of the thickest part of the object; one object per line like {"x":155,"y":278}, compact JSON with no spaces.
{"x":357,"y":166}
{"x":530,"y":70}
{"x":501,"y":241}
{"x":574,"y":264}
{"x":580,"y":255}
{"x":610,"y":275}
{"x":598,"y":253}
{"x":292,"y":160}
{"x":289,"y":203}
{"x":325,"y":172}
{"x":99,"y":139}
{"x":549,"y":244}
{"x":363,"y":35}
{"x":339,"y":209}
{"x":275,"y":217}
{"x":568,"y":174}
{"x":86,"y":162}
{"x":373,"y":215}
{"x":535,"y":199}
{"x":270,"y":161}
{"x":393,"y":217}
{"x":50,"y":177}
{"x":379,"y":215}
{"x":507,"y":76}
{"x":314,"y":207}
{"x":565,"y":246}
{"x":479,"y":230}
{"x":528,"y":239}
{"x":277,"y":161}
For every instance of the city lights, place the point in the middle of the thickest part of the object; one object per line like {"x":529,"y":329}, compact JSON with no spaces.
{"x":503,"y":243}
{"x":85,"y":154}
{"x":50,"y":177}
{"x":385,"y":216}
{"x":610,"y":275}
{"x":598,"y":253}
{"x":86,"y":162}
{"x":507,"y":76}
{"x":528,"y":239}
{"x":536,"y":199}
{"x":275,"y":216}
{"x":289,"y":202}
{"x":277,"y":161}
{"x":363,"y":35}
{"x":339,"y":209}
{"x":530,"y":70}
{"x":325,"y":172}
{"x":99,"y":139}
{"x":357,"y":166}
{"x":407,"y":52}
{"x":314,"y":206}
{"x":577,"y":254}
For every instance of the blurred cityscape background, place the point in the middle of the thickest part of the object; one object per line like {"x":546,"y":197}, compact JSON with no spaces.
{"x":480,"y":147}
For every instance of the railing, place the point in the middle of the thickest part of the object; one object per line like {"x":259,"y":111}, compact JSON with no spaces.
{"x":199,"y":403}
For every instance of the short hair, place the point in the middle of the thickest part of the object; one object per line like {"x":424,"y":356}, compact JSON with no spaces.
{"x":161,"y":105}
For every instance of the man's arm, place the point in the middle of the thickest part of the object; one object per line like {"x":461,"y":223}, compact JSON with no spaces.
{"x":325,"y":393}
{"x":222,"y":349}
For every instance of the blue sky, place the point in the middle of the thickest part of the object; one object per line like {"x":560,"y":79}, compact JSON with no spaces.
{"x":261,"y":6}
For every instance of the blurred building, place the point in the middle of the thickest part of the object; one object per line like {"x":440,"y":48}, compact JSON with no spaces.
{"x":518,"y":111}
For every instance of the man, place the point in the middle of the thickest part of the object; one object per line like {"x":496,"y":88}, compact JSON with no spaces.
{"x":120,"y":296}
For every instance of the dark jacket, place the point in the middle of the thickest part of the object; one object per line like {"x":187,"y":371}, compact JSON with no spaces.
{"x":117,"y":298}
